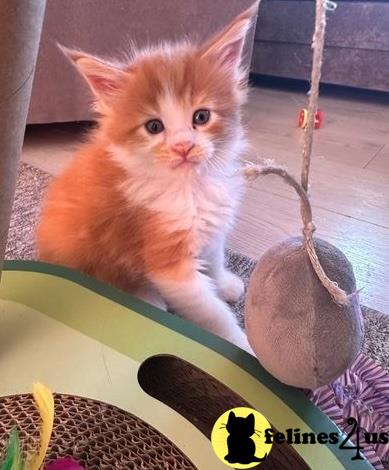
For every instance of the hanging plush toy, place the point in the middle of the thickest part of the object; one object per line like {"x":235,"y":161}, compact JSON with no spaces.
{"x":303,"y":318}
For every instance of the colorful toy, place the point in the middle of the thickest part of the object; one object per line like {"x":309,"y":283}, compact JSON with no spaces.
{"x":64,"y":464}
{"x":14,"y":458}
{"x":303,"y":317}
{"x":13,"y":455}
{"x":303,"y":118}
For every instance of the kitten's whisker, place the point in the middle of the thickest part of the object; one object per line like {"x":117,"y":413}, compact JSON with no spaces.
{"x":216,"y":164}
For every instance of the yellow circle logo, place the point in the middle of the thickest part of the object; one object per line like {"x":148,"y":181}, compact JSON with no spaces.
{"x":238,"y":438}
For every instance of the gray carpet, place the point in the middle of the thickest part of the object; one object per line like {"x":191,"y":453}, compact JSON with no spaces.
{"x":31,"y":187}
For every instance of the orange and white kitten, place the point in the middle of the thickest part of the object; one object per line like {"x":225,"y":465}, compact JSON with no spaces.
{"x":149,"y":200}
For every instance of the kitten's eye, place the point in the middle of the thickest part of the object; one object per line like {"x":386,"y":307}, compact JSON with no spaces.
{"x":201,"y":117}
{"x":155,"y":126}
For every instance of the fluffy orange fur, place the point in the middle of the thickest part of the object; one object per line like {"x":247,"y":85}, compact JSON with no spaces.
{"x":95,"y":218}
{"x":87,"y":224}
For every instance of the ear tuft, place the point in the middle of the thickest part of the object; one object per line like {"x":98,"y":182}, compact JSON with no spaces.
{"x":103,"y":78}
{"x":226,"y":47}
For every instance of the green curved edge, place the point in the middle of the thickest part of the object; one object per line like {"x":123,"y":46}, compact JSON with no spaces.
{"x":294,"y":398}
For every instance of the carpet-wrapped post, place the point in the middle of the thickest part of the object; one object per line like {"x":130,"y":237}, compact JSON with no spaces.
{"x":20,"y":30}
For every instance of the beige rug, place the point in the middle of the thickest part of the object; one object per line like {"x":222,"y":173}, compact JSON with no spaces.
{"x":31,"y":187}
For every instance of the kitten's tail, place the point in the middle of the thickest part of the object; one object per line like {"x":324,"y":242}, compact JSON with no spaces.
{"x":257,"y":459}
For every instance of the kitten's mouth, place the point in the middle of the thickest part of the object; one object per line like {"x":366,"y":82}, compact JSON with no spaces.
{"x":185,"y":162}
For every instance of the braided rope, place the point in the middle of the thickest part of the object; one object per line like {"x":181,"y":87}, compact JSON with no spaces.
{"x":338,"y":294}
{"x":318,"y":47}
{"x":252,"y":171}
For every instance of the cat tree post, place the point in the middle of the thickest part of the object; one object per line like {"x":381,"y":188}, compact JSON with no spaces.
{"x":20,"y":30}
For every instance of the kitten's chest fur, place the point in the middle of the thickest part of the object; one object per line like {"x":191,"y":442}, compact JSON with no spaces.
{"x":203,"y":206}
{"x":208,"y":210}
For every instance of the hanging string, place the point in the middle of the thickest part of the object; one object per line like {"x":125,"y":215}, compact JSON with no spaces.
{"x":318,"y":47}
{"x":254,"y":170}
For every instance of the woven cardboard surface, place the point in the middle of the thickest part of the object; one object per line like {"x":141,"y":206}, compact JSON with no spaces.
{"x":98,"y":435}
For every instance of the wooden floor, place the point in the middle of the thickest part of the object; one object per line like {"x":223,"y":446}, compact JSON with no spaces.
{"x":349,"y":179}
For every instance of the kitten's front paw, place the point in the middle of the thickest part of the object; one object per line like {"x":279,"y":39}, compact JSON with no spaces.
{"x":240,"y":339}
{"x":230,"y":286}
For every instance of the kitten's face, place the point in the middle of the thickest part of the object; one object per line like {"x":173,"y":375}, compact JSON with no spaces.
{"x":176,"y":111}
{"x":173,"y":107}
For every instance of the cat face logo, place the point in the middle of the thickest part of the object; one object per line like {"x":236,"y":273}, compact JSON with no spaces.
{"x":238,"y":438}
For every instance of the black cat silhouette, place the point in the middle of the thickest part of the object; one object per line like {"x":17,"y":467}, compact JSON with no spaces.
{"x":241,"y":448}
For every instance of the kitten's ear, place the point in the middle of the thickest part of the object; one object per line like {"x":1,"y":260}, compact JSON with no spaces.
{"x":104,"y":79}
{"x":226,"y":47}
{"x":231,"y":417}
{"x":250,"y":420}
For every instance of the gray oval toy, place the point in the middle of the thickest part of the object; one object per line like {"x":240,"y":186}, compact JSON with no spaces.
{"x":299,"y":334}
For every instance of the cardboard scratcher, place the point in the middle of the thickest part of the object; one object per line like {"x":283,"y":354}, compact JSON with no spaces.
{"x":134,"y":385}
{"x":98,"y":435}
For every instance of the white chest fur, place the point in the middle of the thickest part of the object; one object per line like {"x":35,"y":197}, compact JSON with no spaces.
{"x":199,"y":202}
{"x":203,"y":205}
{"x":206,"y":207}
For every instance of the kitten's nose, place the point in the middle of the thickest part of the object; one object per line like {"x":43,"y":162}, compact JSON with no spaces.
{"x":182,"y":148}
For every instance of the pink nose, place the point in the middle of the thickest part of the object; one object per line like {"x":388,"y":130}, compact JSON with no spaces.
{"x":182,"y":148}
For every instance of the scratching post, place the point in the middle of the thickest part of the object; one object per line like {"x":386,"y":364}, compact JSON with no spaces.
{"x":20,"y":29}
